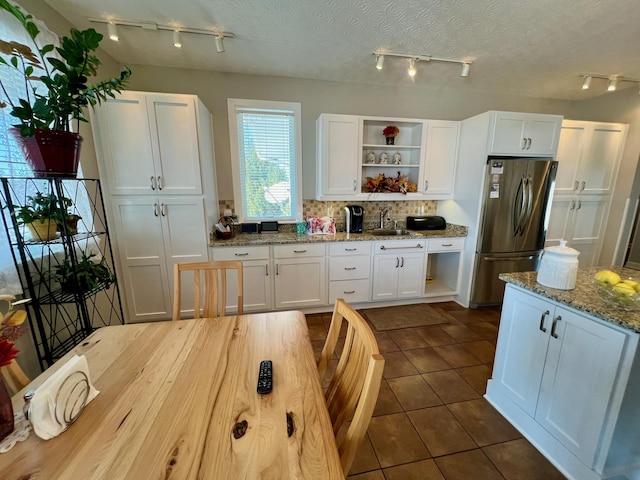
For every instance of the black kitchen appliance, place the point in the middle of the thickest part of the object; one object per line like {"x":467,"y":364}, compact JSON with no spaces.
{"x":354,"y":219}
{"x":426,"y":222}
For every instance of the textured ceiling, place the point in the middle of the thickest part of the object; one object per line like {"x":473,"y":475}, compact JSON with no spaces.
{"x":535,"y":48}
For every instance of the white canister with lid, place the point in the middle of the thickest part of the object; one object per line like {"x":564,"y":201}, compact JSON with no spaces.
{"x":559,"y":267}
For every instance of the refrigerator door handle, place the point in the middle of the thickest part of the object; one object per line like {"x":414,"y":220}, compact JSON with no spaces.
{"x":499,"y":259}
{"x":527,"y":215}
{"x":519,"y":211}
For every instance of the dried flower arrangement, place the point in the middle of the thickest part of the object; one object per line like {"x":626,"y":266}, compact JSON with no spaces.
{"x":384,"y":184}
{"x":391,"y":131}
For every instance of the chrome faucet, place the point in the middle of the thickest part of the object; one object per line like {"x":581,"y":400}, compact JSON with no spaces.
{"x":383,"y":212}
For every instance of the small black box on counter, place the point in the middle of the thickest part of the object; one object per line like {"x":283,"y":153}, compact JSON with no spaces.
{"x":426,"y":222}
{"x":250,"y":227}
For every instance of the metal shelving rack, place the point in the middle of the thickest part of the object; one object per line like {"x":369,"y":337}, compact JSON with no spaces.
{"x":61,"y":320}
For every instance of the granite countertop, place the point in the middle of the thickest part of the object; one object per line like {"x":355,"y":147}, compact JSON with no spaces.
{"x":245,"y":239}
{"x":584,"y":297}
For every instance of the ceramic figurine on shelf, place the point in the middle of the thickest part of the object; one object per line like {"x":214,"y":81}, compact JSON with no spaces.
{"x":371,"y":157}
{"x":384,"y":158}
{"x":397,"y":158}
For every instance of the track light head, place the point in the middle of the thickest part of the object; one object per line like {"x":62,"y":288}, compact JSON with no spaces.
{"x":412,"y":67}
{"x":613,"y":84}
{"x":379,"y":61}
{"x":177,"y":39}
{"x":465,"y":70}
{"x":587,"y":82}
{"x":220,"y":43}
{"x":112,"y":30}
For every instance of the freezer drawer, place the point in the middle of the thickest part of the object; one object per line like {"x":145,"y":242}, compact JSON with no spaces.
{"x":487,"y":288}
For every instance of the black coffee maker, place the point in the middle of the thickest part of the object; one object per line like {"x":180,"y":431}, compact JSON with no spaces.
{"x":354,"y":218}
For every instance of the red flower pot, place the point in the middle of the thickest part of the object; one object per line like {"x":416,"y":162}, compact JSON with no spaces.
{"x":50,"y":153}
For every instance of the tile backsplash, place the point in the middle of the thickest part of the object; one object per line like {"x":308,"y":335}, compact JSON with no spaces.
{"x":399,"y":210}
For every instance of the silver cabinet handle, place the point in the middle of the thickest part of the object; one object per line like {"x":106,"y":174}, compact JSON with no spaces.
{"x":402,"y":264}
{"x":572,"y":205}
{"x":299,"y":251}
{"x":355,"y":184}
{"x":163,"y":209}
{"x":155,"y":209}
{"x":582,"y":185}
{"x":277,"y":270}
{"x":524,"y":143}
{"x":529,"y":147}
{"x":576,"y":184}
{"x":397,"y":262}
{"x":382,"y":247}
{"x":349,"y":268}
{"x":266,"y":270}
{"x":241,"y":254}
{"x":579,"y":205}
{"x":446,"y":244}
{"x":350,"y":292}
{"x":159,"y":182}
{"x":554,"y":325}
{"x":426,"y":185}
{"x":542,"y":317}
{"x":350,"y":249}
{"x":153,"y":182}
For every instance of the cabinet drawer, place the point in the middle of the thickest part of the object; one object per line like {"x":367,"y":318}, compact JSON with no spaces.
{"x":241,"y":253}
{"x":350,"y":248}
{"x":349,"y":268}
{"x":352,"y":291}
{"x":393,"y":247}
{"x":299,"y":250}
{"x":445,"y":244}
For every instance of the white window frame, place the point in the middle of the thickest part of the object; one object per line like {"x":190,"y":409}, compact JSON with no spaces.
{"x":235,"y":104}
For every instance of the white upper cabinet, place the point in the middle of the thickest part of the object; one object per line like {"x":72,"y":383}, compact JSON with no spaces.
{"x":149,"y":144}
{"x":588,"y":157}
{"x":337,"y":137}
{"x":353,"y":149}
{"x":520,"y":134}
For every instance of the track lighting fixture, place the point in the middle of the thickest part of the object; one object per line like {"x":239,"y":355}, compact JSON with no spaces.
{"x":412,"y":67}
{"x":613,"y":80}
{"x":414,"y":59}
{"x":177,"y":31}
{"x":177,"y":39}
{"x":220,"y":44}
{"x":112,"y":30}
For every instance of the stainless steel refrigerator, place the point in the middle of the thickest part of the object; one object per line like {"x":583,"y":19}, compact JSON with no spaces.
{"x":513,"y":224}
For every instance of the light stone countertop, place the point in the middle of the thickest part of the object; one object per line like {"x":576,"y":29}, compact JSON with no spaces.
{"x":248,"y":239}
{"x":584,"y":297}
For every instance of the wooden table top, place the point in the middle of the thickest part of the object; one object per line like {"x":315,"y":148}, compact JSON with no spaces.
{"x":174,"y":399}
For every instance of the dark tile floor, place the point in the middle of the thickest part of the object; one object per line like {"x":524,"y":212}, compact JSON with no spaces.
{"x":431,"y":421}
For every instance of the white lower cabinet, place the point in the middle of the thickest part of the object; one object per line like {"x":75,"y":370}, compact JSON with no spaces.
{"x":560,"y":377}
{"x":300,"y":278}
{"x":398,"y":269}
{"x":153,"y":234}
{"x":350,"y":271}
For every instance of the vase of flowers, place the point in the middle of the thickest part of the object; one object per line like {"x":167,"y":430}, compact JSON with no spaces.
{"x":12,"y":326}
{"x":384,"y":184}
{"x":390,"y":133}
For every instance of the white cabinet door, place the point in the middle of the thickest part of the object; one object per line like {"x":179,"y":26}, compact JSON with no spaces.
{"x":398,"y":275}
{"x":300,"y":282}
{"x":580,"y":370}
{"x":385,"y":277}
{"x":602,"y":157}
{"x":410,"y":275}
{"x":175,"y":143}
{"x":525,"y":134}
{"x":256,"y":287}
{"x":338,"y":156}
{"x":522,"y":348}
{"x":438,"y":171}
{"x":570,"y":151}
{"x":142,"y":258}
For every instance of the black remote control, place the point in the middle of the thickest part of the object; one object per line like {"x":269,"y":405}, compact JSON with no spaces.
{"x":265,"y":377}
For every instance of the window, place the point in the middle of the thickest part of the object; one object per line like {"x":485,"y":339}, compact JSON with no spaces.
{"x":266,"y":157}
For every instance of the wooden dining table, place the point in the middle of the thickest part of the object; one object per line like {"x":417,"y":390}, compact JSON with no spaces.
{"x":178,"y":400}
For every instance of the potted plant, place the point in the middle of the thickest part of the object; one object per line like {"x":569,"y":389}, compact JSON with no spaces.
{"x":390,"y":133}
{"x":39,"y":215}
{"x":66,"y":221}
{"x":44,"y":115}
{"x":86,"y":275}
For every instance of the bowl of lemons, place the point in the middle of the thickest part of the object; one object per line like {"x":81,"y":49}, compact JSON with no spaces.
{"x":621,"y":293}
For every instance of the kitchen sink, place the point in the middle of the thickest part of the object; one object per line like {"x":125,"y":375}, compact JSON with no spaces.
{"x":389,"y":231}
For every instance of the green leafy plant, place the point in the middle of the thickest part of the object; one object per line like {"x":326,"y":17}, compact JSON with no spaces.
{"x":86,"y":275}
{"x":63,"y":216}
{"x":63,"y":71}
{"x":40,"y":207}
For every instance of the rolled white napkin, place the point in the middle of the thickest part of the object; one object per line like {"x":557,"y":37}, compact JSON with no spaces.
{"x":59,"y":400}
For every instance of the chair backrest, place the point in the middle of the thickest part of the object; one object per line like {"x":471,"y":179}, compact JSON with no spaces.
{"x":354,"y":387}
{"x":210,"y":294}
{"x":14,"y":377}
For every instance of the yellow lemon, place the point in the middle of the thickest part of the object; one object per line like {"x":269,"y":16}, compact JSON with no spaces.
{"x":623,"y":289}
{"x":607,"y":276}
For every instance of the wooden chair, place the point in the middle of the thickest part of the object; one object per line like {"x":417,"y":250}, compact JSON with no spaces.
{"x":14,"y":377}
{"x":354,"y":387}
{"x":214,"y":291}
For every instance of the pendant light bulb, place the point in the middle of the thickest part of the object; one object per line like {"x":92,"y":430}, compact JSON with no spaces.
{"x":177,"y":39}
{"x":379,"y":61}
{"x":587,"y":82}
{"x":220,"y":43}
{"x":613,"y":84}
{"x":412,"y":67}
{"x":112,"y":30}
{"x":465,"y":70}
